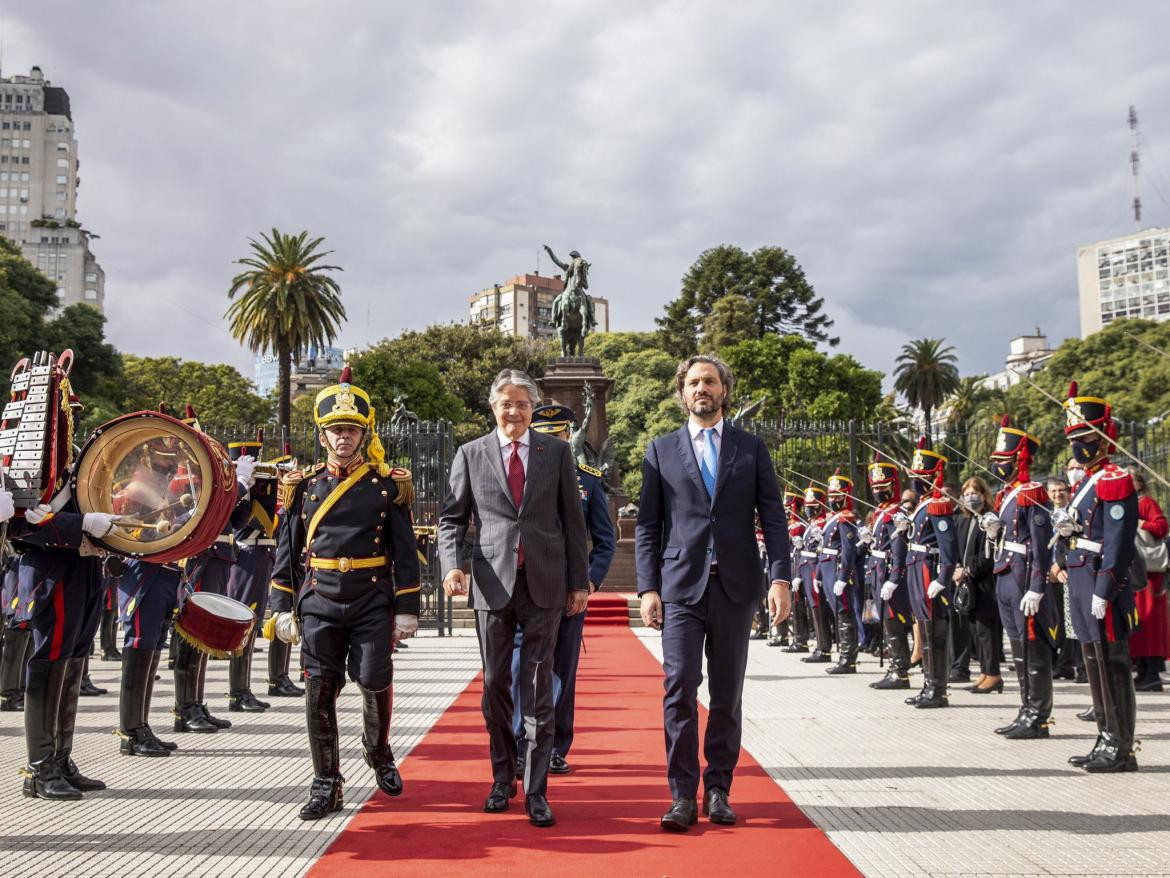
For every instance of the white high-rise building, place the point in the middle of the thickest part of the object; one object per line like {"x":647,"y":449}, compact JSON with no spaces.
{"x":38,"y":187}
{"x":1124,"y":277}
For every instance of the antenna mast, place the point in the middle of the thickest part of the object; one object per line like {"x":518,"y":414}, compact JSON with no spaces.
{"x":1135,"y":165}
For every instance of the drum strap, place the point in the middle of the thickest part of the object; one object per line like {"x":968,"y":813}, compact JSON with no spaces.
{"x":354,"y":477}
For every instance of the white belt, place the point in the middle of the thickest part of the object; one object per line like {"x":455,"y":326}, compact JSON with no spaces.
{"x":1086,"y":545}
{"x":262,"y":541}
{"x":832,"y":553}
{"x":926,"y":550}
{"x":808,"y":554}
{"x":877,"y":553}
{"x":228,"y":539}
{"x":1018,"y":548}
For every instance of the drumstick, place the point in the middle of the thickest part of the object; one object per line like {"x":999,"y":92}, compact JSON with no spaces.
{"x":162,"y":526}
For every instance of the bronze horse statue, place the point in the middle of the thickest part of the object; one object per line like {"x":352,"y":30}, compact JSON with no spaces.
{"x":572,"y":311}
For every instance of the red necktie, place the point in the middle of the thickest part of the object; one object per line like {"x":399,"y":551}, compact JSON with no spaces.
{"x":516,"y":484}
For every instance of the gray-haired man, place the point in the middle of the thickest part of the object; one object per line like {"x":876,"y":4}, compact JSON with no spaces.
{"x":529,"y":564}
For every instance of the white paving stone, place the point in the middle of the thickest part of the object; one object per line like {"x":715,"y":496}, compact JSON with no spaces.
{"x":911,"y":792}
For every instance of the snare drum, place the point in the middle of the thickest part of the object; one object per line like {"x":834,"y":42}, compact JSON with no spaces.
{"x":215,"y":624}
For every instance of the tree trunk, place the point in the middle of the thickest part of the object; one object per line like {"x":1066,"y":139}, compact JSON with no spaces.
{"x":926,"y":419}
{"x":284,"y":388}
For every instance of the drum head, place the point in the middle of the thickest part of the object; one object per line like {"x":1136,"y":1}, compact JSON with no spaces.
{"x":223,"y":607}
{"x":158,"y":476}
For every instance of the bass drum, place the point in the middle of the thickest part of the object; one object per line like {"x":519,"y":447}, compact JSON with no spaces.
{"x":172,"y":487}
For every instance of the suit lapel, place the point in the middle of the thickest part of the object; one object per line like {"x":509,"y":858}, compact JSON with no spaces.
{"x":727,"y":449}
{"x":537,"y":452}
{"x":683,"y":437}
{"x":495,"y":462}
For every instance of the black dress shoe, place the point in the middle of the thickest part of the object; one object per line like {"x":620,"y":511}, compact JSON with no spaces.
{"x":519,"y":768}
{"x":842,"y":668}
{"x":214,"y":720}
{"x":1088,"y":715}
{"x":88,"y":689}
{"x":381,"y":759}
{"x":891,"y":681}
{"x":683,"y":814}
{"x":1081,"y":676}
{"x":325,"y":798}
{"x":45,"y":782}
{"x":539,"y":813}
{"x":246,"y":702}
{"x":716,"y":809}
{"x":141,"y":742}
{"x":166,"y":745}
{"x":191,"y":719}
{"x":558,"y":765}
{"x":284,"y":688}
{"x":816,"y":657}
{"x":111,"y":655}
{"x":497,"y":799}
{"x":959,"y":677}
{"x":73,"y":776}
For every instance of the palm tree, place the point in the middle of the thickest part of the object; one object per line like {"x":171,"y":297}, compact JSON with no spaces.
{"x":967,"y":396}
{"x":926,"y":373}
{"x":288,"y":304}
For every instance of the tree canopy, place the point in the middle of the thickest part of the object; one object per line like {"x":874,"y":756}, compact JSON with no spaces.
{"x":220,"y":395}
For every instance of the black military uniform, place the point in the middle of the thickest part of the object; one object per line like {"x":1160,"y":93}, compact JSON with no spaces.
{"x":837,"y":571}
{"x":346,"y":548}
{"x":886,"y":571}
{"x":800,"y":619}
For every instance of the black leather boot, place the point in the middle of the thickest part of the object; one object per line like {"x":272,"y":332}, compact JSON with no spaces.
{"x":1035,"y":721}
{"x":935,"y":695}
{"x":822,"y":653}
{"x":898,"y":670}
{"x":87,"y":688}
{"x":846,"y":644}
{"x":1116,"y":752}
{"x":376,"y":708}
{"x":927,"y":667}
{"x":1017,"y":662}
{"x":138,"y":667}
{"x":12,"y":667}
{"x":1097,"y":710}
{"x":279,"y":684}
{"x":66,"y":723}
{"x":147,"y":697}
{"x":326,"y":794}
{"x":800,"y":628}
{"x":109,"y":635}
{"x":42,"y":776}
{"x":200,"y":682}
{"x":188,"y":711}
{"x":240,"y":697}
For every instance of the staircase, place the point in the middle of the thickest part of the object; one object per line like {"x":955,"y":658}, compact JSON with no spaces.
{"x":605,"y":608}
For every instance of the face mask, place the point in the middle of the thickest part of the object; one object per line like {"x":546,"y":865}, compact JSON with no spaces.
{"x":837,"y":504}
{"x":1003,"y":468}
{"x":1074,"y":476}
{"x":881,"y":495}
{"x":921,"y":486}
{"x":1085,"y":450}
{"x":974,"y":502}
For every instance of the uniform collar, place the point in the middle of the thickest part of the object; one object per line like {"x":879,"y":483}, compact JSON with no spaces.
{"x":341,"y":472}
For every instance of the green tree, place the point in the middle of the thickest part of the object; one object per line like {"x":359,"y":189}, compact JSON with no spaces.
{"x":26,"y":296}
{"x":221,"y":396}
{"x":642,"y":407}
{"x":731,"y":320}
{"x":780,"y":298}
{"x":288,"y":303}
{"x":383,"y":376}
{"x":926,"y":373}
{"x":97,"y":365}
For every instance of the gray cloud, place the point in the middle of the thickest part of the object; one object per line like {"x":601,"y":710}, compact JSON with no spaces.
{"x":932,"y":168}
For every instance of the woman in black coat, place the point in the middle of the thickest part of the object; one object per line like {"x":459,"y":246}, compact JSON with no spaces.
{"x":975,"y":571}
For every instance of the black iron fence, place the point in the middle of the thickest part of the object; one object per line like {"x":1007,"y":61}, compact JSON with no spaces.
{"x":426,"y":449}
{"x":814,"y":450}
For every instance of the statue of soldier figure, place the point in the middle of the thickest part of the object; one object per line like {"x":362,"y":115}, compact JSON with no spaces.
{"x":572,"y":311}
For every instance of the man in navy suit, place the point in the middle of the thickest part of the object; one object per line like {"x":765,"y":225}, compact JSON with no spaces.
{"x":699,"y":578}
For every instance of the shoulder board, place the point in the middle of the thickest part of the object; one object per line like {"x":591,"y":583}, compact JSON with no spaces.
{"x":941,"y":506}
{"x":1116,"y":484}
{"x":848,"y":517}
{"x":596,"y":473}
{"x":287,"y":489}
{"x":1032,"y":494}
{"x":405,"y":482}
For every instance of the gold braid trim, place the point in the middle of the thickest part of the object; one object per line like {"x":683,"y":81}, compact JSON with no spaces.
{"x":203,"y":647}
{"x":405,"y":482}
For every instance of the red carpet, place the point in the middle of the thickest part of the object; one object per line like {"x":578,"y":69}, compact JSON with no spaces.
{"x":608,"y":608}
{"x":607,"y":809}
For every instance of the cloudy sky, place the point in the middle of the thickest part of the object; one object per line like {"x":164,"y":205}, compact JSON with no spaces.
{"x":933,"y":168}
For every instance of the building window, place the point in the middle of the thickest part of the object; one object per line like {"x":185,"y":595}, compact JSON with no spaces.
{"x":28,"y":126}
{"x":91,"y":277}
{"x":91,"y":295}
{"x":62,"y":145}
{"x":24,"y":160}
{"x":27,"y":144}
{"x":23,"y":177}
{"x":62,"y":163}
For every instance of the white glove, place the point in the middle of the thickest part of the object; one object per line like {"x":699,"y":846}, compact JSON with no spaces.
{"x":38,"y":513}
{"x":839,"y":587}
{"x":816,"y":585}
{"x":1066,"y":528}
{"x":1100,"y":605}
{"x":245,"y":469}
{"x":1030,"y":603}
{"x":797,"y":583}
{"x":7,"y":506}
{"x":888,"y":589}
{"x":798,"y":543}
{"x":934,"y":590}
{"x":405,"y":626}
{"x":97,"y":524}
{"x":287,"y":629}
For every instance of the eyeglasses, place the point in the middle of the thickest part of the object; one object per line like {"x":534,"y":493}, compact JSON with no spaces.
{"x":508,"y":405}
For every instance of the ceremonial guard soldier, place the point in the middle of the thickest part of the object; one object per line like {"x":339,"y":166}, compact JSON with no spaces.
{"x":932,"y":553}
{"x":346,"y":548}
{"x":1020,"y":530}
{"x":1100,"y":530}
{"x":837,"y":570}
{"x":207,"y":572}
{"x":886,"y":571}
{"x":806,"y":576}
{"x":108,"y":627}
{"x":59,"y":598}
{"x":794,"y":504}
{"x":17,"y":639}
{"x":556,"y":420}
{"x":254,"y":528}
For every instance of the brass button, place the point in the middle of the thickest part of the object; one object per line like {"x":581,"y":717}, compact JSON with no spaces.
{"x":379,"y":527}
{"x":373,"y":579}
{"x":313,"y":497}
{"x":377,"y":539}
{"x":374,"y":480}
{"x":385,"y":494}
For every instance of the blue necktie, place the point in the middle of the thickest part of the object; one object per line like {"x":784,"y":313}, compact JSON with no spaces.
{"x":710,"y":464}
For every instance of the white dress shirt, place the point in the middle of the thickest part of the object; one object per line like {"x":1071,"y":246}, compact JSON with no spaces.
{"x":506,"y":449}
{"x":699,"y":440}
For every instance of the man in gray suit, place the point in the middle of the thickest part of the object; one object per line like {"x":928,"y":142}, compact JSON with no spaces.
{"x":529,"y":564}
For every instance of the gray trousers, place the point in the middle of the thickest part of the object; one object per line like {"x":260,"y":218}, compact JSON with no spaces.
{"x":496,"y":630}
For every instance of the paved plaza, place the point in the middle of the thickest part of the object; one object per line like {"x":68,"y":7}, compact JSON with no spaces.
{"x":901,"y":792}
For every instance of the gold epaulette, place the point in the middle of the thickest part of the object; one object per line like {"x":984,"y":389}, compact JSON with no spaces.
{"x":1032,"y":494}
{"x":585,"y":468}
{"x":405,"y":482}
{"x":290,"y":480}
